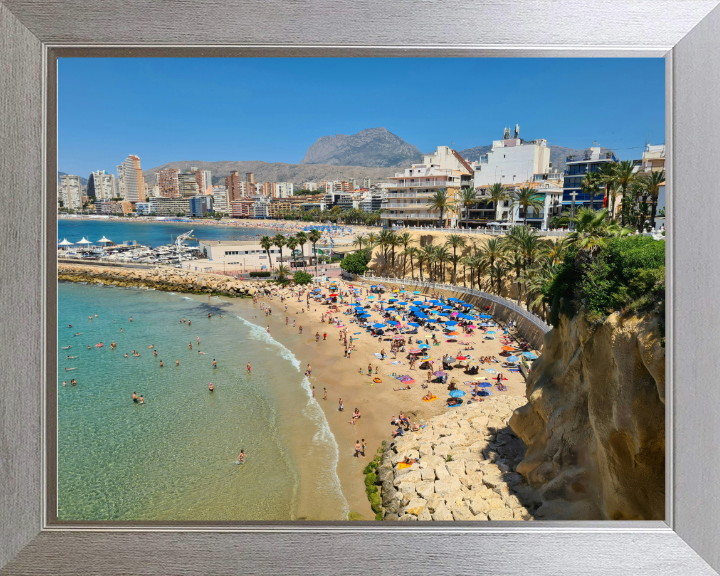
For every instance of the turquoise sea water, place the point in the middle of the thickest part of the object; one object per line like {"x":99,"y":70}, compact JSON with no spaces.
{"x":172,"y":458}
{"x":152,"y":234}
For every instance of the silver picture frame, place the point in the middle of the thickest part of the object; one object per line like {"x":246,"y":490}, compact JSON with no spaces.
{"x":686,"y":33}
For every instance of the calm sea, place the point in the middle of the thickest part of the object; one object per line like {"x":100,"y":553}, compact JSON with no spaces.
{"x":152,"y":234}
{"x":173,"y":457}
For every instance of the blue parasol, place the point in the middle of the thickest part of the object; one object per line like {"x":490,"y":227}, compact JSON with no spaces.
{"x":457,"y":393}
{"x":513,"y":359}
{"x":529,"y":355}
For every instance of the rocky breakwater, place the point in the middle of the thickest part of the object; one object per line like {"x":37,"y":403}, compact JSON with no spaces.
{"x":168,"y":279}
{"x":594,"y":424}
{"x":465,"y":469}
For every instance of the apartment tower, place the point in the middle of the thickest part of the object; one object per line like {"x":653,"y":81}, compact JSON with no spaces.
{"x":130,"y":179}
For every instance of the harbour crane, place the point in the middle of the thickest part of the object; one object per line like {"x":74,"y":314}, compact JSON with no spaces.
{"x":179,"y":242}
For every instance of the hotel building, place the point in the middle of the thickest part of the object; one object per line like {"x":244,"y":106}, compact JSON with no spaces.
{"x":102,"y":186}
{"x":167,"y":180}
{"x":220,"y":203}
{"x":576,"y":168}
{"x":232,"y":185}
{"x":188,"y":185}
{"x":131,"y":183}
{"x":70,"y":192}
{"x":410,"y":191}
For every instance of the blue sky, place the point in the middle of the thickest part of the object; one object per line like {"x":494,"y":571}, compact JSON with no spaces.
{"x":170,"y":109}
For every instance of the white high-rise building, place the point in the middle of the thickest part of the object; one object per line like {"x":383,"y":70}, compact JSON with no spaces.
{"x":219,"y":194}
{"x":512,"y":160}
{"x":131,"y":183}
{"x":310,"y":186}
{"x":70,"y":192}
{"x":284,"y":189}
{"x":102,"y":186}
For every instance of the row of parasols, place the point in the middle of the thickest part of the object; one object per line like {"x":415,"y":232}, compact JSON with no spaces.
{"x":84,"y":241}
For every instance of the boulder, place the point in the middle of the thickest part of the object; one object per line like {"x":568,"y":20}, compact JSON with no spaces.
{"x":473,"y":480}
{"x":500,"y":514}
{"x":447,"y":486}
{"x":492,"y":481}
{"x":407,"y":477}
{"x":471,"y":466}
{"x":456,"y":468}
{"x":479,"y":506}
{"x":390,"y":517}
{"x":428,"y":474}
{"x":425,"y":489}
{"x":415,"y":506}
{"x":462,"y":513}
{"x":442,"y":450}
{"x":434,"y":501}
{"x":442,"y":514}
{"x":441,"y":472}
{"x":512,"y":502}
{"x":425,"y":516}
{"x":522,"y":514}
{"x":406,"y":517}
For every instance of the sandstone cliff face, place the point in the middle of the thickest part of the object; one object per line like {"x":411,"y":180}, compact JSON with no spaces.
{"x":594,"y":424}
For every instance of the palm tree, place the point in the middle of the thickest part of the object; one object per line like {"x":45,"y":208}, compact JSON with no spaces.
{"x":497,"y":271}
{"x":283,"y":271}
{"x":469,"y":262}
{"x":393,"y":242}
{"x":266,"y":242}
{"x":409,"y":252}
{"x":589,"y":185}
{"x":279,"y":241}
{"x":405,"y":239}
{"x":314,"y":236}
{"x":302,"y":239}
{"x":607,"y":176}
{"x":291,"y":242}
{"x":526,"y":198}
{"x":421,"y":256}
{"x":466,"y":197}
{"x":592,"y":229}
{"x":456,"y":241}
{"x":624,"y":176}
{"x":359,"y":241}
{"x":497,"y":194}
{"x":383,"y":241}
{"x":490,"y":251}
{"x":442,"y":257}
{"x":613,"y":192}
{"x":430,"y":258}
{"x":656,"y":178}
{"x":439,"y":201}
{"x":517,"y":263}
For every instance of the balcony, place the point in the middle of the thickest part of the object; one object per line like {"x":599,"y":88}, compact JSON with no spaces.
{"x":425,"y":195}
{"x":441,"y":184}
{"x":395,"y":205}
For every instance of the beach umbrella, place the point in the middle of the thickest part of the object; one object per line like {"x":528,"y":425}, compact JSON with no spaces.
{"x":447,"y":308}
{"x":436,"y":302}
{"x":393,"y":300}
{"x":462,"y":357}
{"x":364,"y":315}
{"x":378,"y":325}
{"x":472,"y":327}
{"x":401,"y":304}
{"x":453,"y":300}
{"x":485,"y":316}
{"x":450,"y":323}
{"x":513,"y":358}
{"x":491,"y":332}
{"x":392,"y":323}
{"x":484,"y":392}
{"x":413,"y":324}
{"x":371,"y":297}
{"x":457,"y":393}
{"x":529,"y":355}
{"x":455,"y":314}
{"x":439,"y":373}
{"x":104,"y":240}
{"x":426,"y":358}
{"x":424,"y":346}
{"x":418,"y":302}
{"x":508,"y":348}
{"x":453,"y":333}
{"x":399,"y":337}
{"x":416,"y":292}
{"x":415,"y":351}
{"x":443,"y":314}
{"x":84,"y":241}
{"x":450,"y":360}
{"x":65,"y":243}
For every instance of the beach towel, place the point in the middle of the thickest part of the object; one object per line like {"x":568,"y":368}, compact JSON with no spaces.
{"x":490,"y":370}
{"x":356,"y":333}
{"x":398,"y":362}
{"x":377,"y":355}
{"x":403,"y":465}
{"x":433,"y":397}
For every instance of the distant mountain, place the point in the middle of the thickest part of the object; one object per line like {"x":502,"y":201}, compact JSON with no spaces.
{"x":83,"y":181}
{"x":371,"y":147}
{"x":558,"y":154}
{"x":277,"y":171}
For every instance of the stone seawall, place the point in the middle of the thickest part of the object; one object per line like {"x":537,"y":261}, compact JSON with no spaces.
{"x":465,"y":471}
{"x":168,"y":279}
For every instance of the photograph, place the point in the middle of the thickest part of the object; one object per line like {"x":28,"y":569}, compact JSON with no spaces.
{"x":360,"y":289}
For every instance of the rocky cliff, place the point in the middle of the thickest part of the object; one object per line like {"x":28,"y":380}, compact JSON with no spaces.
{"x":594,"y":425}
{"x":371,"y":147}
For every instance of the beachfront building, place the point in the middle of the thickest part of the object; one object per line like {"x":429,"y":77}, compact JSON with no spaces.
{"x":367,"y":182}
{"x":219,"y":195}
{"x":261,"y":208}
{"x":188,"y":185}
{"x":200,"y":205}
{"x":249,"y":255}
{"x":512,"y":160}
{"x":653,"y":159}
{"x":106,"y":206}
{"x":232,"y":185}
{"x":143,"y":208}
{"x":170,"y":206}
{"x":242,"y":208}
{"x":576,"y":168}
{"x":131,"y":183}
{"x":282,"y":189}
{"x":70,"y":192}
{"x":410,"y":191}
{"x":550,"y":192}
{"x":203,"y":179}
{"x":660,"y":220}
{"x":372,"y":202}
{"x":312,"y":186}
{"x":167,"y":181}
{"x":101,"y":186}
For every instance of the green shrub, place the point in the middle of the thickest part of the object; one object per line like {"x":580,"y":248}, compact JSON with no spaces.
{"x":375,"y":502}
{"x":448,"y":458}
{"x":370,"y":479}
{"x":301,"y":277}
{"x":356,"y":263}
{"x":379,"y":516}
{"x":259,"y":274}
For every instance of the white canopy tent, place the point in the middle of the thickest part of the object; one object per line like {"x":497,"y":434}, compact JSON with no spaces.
{"x":84,"y":241}
{"x":65,"y":243}
{"x":104,"y":240}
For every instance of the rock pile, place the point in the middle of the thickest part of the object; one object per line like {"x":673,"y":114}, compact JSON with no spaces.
{"x":465,"y":470}
{"x":160,"y":278}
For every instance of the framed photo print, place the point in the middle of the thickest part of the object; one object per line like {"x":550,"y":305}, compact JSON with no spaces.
{"x":348,"y":288}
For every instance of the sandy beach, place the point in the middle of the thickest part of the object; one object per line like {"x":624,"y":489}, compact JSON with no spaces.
{"x":377,"y":402}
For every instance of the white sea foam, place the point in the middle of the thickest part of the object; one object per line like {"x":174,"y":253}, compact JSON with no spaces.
{"x":312,"y":411}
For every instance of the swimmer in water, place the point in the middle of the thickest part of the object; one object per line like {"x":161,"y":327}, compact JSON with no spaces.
{"x":64,"y":382}
{"x":189,"y":345}
{"x":211,"y":387}
{"x":131,"y":321}
{"x":248,"y":367}
{"x":151,"y":346}
{"x":177,"y":362}
{"x":241,"y":457}
{"x":155,"y":353}
{"x":142,"y":400}
{"x":78,"y":333}
{"x":201,"y":352}
{"x":126,"y":355}
{"x":161,"y":364}
{"x":135,"y":397}
{"x":214,"y":363}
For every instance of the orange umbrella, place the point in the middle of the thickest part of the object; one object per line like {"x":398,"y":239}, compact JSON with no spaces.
{"x":452,"y":333}
{"x":508,"y":348}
